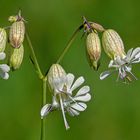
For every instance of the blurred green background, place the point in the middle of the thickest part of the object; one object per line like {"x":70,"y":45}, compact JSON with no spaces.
{"x":114,"y":111}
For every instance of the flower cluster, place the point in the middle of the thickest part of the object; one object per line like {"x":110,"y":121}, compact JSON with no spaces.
{"x":16,"y":38}
{"x":64,"y":98}
{"x":113,"y":46}
{"x":69,"y":95}
{"x":123,"y":66}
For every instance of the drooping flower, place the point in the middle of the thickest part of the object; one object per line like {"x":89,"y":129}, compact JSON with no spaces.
{"x":63,"y":86}
{"x":4,"y":68}
{"x":113,"y":44}
{"x":93,"y":47}
{"x":123,"y":65}
{"x":17,"y":30}
{"x":16,"y":57}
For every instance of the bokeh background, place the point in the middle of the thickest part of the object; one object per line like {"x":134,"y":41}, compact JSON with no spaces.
{"x":114,"y":111}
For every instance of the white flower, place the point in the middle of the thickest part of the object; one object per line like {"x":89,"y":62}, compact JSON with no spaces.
{"x":65,"y":99}
{"x":123,"y":65}
{"x":133,"y":55}
{"x":4,"y":68}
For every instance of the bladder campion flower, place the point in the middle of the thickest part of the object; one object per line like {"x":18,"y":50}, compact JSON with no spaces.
{"x":93,"y":47}
{"x":16,"y":57}
{"x":124,"y":65}
{"x":97,"y":27}
{"x":4,"y":68}
{"x":17,"y":30}
{"x":63,"y":86}
{"x":113,"y":44}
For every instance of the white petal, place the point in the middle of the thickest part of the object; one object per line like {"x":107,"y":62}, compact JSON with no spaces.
{"x":111,"y":64}
{"x":4,"y":67}
{"x":105,"y":74}
{"x":84,"y":98}
{"x":2,"y":55}
{"x":129,"y":53}
{"x":55,"y":103}
{"x":79,"y":106}
{"x":70,"y":79}
{"x":119,"y":61}
{"x":83,"y":90}
{"x":77,"y":83}
{"x":4,"y":75}
{"x":45,"y":110}
{"x":137,"y":55}
{"x":135,"y":52}
{"x":136,"y":61}
{"x":58,"y":83}
{"x":70,"y":112}
{"x":73,"y":112}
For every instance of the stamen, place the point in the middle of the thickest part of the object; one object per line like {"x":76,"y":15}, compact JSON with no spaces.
{"x":63,"y":113}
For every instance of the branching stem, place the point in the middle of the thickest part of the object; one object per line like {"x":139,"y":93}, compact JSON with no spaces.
{"x":69,"y":43}
{"x":44,"y":83}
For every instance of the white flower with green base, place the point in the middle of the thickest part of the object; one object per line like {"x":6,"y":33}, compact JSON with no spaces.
{"x":64,"y":98}
{"x":123,"y":65}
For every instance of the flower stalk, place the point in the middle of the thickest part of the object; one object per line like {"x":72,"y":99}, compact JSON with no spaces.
{"x":34,"y":57}
{"x":69,"y":43}
{"x":43,"y":128}
{"x":44,"y":83}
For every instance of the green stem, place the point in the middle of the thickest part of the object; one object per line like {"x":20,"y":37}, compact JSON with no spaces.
{"x":44,"y":83}
{"x":69,"y":43}
{"x":44,"y":80}
{"x":43,"y":128}
{"x":34,"y":57}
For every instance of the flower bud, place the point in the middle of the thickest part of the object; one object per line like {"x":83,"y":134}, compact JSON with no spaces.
{"x":17,"y":32}
{"x":93,"y":46}
{"x":97,"y":26}
{"x":16,"y":57}
{"x":113,"y":44}
{"x":3,"y":39}
{"x":56,"y":77}
{"x":13,"y":19}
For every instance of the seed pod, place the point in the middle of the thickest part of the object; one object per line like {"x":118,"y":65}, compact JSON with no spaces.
{"x":97,"y":26}
{"x":56,"y":77}
{"x":93,"y":47}
{"x":113,"y":44}
{"x":3,"y":39}
{"x":17,"y":32}
{"x":16,"y":57}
